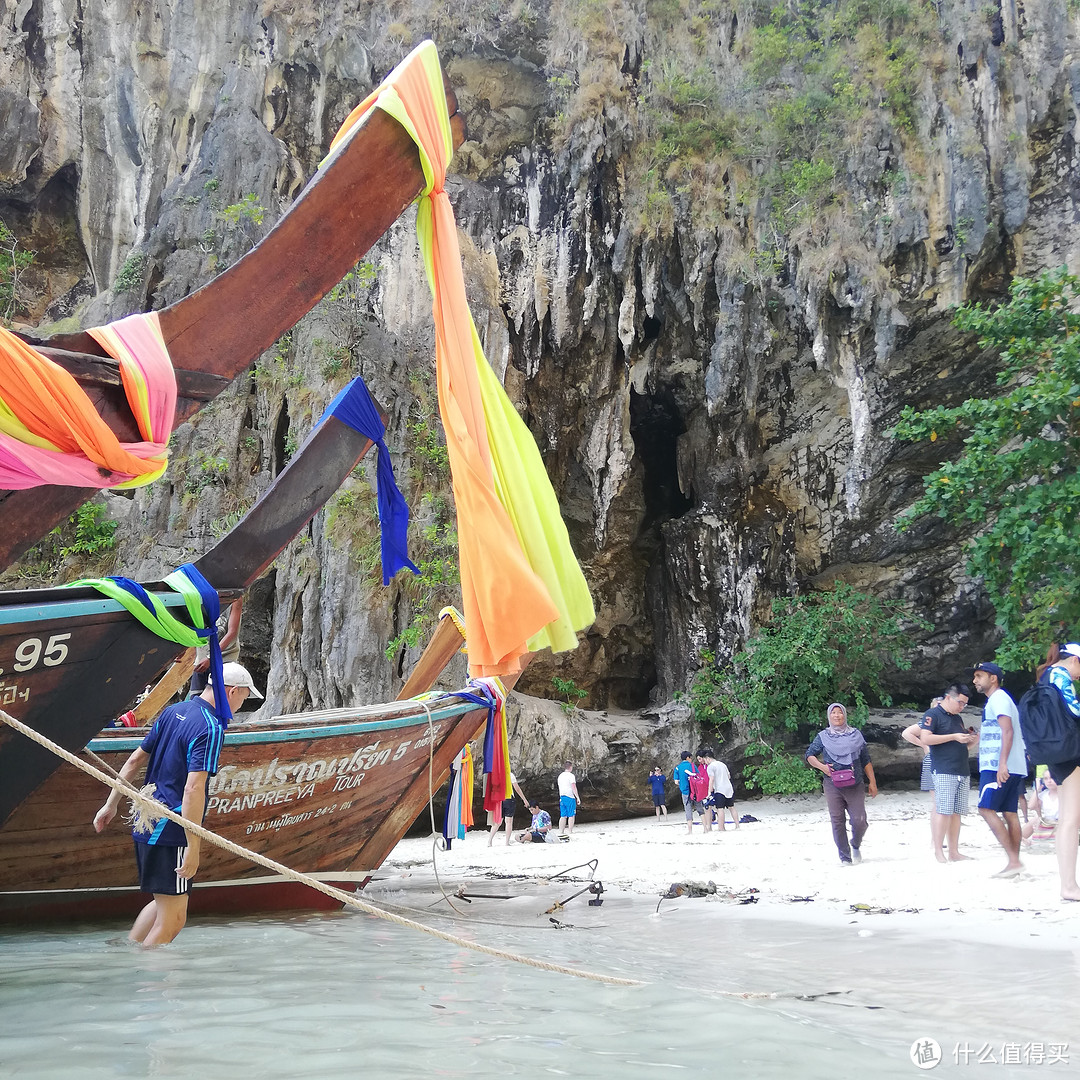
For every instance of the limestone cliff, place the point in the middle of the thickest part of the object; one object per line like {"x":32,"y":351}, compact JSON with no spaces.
{"x":709,"y":343}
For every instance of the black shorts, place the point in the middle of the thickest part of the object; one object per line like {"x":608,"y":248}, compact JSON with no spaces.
{"x":659,"y":800}
{"x":719,"y":801}
{"x":508,"y":807}
{"x":158,"y":867}
{"x":1063,"y":770}
{"x":539,"y":838}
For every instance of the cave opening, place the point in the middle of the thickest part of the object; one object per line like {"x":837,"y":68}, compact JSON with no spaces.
{"x":655,"y":426}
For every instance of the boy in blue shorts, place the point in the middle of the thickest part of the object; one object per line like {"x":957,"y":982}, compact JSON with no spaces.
{"x":1002,"y":765}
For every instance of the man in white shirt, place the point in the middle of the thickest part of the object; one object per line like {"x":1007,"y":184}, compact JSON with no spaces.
{"x":1002,"y":765}
{"x":721,"y":792}
{"x":568,"y":800}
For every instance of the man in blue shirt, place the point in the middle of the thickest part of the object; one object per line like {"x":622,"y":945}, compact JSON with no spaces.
{"x":180,"y":753}
{"x":681,"y":776}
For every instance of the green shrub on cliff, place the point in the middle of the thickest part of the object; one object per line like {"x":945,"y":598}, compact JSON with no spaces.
{"x":1016,"y":482}
{"x":14,"y":259}
{"x":816,"y":648}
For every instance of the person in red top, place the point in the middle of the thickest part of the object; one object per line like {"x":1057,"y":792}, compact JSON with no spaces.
{"x":699,"y":787}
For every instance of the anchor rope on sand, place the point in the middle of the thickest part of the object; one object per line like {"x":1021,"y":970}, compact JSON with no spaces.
{"x":347,"y":899}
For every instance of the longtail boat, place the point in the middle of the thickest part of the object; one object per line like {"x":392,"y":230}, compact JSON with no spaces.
{"x":326,"y":792}
{"x":71,"y":660}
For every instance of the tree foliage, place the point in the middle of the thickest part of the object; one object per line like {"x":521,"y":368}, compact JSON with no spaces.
{"x":817,"y":648}
{"x":14,"y":259}
{"x":1016,"y":479}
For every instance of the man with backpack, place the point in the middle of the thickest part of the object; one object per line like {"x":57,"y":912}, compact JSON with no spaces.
{"x":1002,"y":764}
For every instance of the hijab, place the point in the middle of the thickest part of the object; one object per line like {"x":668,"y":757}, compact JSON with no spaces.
{"x":843,"y":744}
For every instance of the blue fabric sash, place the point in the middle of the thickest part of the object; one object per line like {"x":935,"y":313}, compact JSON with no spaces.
{"x":354,"y":406}
{"x":212,"y":606}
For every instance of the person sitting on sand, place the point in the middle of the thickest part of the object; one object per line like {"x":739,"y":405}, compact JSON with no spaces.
{"x":1046,"y":804}
{"x":537,"y":832}
{"x":840,"y":754}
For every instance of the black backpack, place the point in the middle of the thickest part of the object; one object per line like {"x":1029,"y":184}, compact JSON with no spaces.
{"x":1051,"y":732}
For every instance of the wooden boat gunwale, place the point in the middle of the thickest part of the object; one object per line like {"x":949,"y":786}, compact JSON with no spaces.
{"x":317,"y":727}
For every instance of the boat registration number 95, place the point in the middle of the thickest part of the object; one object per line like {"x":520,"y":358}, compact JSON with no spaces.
{"x":34,"y":651}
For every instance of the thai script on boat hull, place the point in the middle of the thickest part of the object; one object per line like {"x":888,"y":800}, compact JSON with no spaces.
{"x":232,"y":780}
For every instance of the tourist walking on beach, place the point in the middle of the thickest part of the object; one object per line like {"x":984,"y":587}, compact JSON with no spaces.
{"x":721,"y":794}
{"x":681,"y":775}
{"x":180,"y":753}
{"x":944,"y":732}
{"x":911,"y":734}
{"x":659,"y":799}
{"x":841,"y":755}
{"x":1002,"y":765}
{"x":568,"y":800}
{"x":508,"y":808}
{"x":1061,"y":670}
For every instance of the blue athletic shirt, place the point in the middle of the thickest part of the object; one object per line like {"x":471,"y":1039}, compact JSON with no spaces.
{"x":657,"y":783}
{"x":185,"y":738}
{"x":681,"y":774}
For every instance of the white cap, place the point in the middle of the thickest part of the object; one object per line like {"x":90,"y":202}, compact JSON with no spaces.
{"x":237,"y":675}
{"x":1072,"y":649}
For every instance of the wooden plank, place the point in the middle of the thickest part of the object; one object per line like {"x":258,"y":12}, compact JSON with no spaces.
{"x":445,"y":644}
{"x":178,"y":675}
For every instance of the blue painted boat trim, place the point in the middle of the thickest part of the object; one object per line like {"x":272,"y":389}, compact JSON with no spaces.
{"x":255,"y":735}
{"x":56,"y":610}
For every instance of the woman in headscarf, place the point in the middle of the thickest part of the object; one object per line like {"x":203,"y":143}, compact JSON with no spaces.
{"x":840,"y":753}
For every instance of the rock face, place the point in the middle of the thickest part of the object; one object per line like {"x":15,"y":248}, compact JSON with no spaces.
{"x":714,"y":413}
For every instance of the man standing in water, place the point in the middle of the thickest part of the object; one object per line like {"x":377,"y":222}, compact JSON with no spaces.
{"x":1002,"y":765}
{"x":568,"y":800}
{"x":181,"y":754}
{"x":944,"y":732}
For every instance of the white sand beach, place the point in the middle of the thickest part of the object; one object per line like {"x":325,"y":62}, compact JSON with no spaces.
{"x":788,"y":856}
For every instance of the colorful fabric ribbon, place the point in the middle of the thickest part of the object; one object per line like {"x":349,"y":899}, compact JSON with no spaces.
{"x":203,"y":606}
{"x":354,"y":406}
{"x":50,"y":431}
{"x":458,"y":816}
{"x":521,"y":585}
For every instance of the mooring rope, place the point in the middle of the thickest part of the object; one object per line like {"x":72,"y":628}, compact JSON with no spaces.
{"x":347,"y":899}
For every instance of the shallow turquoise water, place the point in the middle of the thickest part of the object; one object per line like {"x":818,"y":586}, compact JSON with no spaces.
{"x":346,"y":995}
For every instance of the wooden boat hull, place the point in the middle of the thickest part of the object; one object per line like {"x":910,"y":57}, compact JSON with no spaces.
{"x":324,"y":794}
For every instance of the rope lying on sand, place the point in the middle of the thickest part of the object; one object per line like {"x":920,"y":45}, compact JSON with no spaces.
{"x":347,"y":899}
